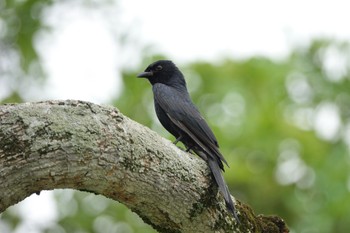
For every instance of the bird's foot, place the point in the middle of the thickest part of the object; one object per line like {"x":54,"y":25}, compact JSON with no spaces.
{"x":177,"y":140}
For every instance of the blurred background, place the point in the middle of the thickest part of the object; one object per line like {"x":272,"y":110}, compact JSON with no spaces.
{"x":271,"y":77}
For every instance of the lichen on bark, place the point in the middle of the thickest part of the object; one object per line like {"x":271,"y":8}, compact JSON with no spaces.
{"x":83,"y":146}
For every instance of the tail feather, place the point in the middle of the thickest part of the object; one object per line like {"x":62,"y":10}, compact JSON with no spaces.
{"x":216,"y":171}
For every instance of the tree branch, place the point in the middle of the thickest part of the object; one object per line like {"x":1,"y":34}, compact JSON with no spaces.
{"x":83,"y":146}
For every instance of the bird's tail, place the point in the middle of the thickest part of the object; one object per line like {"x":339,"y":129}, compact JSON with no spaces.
{"x":216,"y":171}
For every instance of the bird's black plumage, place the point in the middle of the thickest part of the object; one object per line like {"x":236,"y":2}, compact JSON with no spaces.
{"x":181,"y":118}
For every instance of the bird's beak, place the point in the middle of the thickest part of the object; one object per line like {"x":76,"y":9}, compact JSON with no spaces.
{"x":145,"y":74}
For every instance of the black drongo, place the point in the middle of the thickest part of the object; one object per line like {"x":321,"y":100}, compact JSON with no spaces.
{"x":181,"y":118}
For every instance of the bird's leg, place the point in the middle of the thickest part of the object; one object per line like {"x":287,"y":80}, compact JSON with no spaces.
{"x":177,"y":139}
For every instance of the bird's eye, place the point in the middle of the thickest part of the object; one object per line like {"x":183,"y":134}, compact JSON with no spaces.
{"x":158,"y":68}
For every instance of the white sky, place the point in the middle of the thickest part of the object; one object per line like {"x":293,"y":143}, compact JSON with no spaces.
{"x":208,"y":29}
{"x":82,"y":57}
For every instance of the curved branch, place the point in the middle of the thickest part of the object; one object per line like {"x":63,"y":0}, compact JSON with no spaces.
{"x":83,"y":146}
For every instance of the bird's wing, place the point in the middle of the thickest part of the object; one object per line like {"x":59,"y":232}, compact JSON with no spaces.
{"x":185,"y":115}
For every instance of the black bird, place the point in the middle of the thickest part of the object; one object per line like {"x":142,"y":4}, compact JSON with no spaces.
{"x":181,"y":118}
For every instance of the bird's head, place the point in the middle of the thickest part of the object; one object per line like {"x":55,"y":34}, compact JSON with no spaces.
{"x":163,"y":71}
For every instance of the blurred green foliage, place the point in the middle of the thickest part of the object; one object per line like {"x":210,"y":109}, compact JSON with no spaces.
{"x":19,"y":63}
{"x":264,"y":114}
{"x":283,"y":126}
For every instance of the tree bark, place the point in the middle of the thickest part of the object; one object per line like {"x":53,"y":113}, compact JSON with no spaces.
{"x":83,"y":146}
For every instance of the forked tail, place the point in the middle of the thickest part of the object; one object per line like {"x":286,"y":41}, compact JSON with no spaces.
{"x":216,"y":171}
